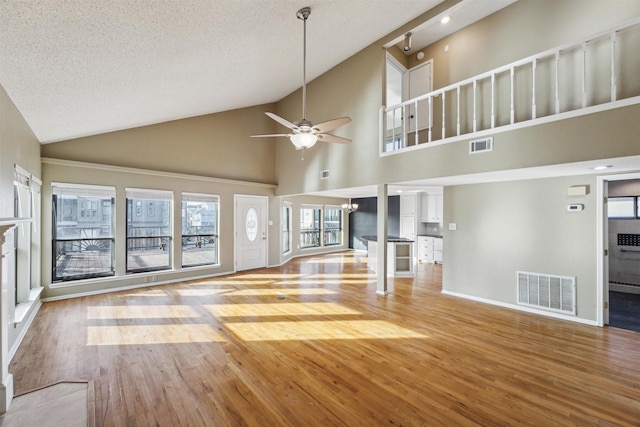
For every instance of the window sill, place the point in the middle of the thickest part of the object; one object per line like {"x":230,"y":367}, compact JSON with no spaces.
{"x":23,"y":309}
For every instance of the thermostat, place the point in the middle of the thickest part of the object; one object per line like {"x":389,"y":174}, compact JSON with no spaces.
{"x":575,"y":208}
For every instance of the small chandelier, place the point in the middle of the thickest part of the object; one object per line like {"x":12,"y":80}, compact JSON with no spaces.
{"x":350,"y":207}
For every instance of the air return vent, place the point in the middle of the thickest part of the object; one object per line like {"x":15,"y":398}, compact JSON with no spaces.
{"x":481,"y":145}
{"x":324,"y":174}
{"x":553,"y":293}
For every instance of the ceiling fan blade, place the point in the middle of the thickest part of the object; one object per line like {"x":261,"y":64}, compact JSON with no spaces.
{"x":330,"y":125}
{"x":332,"y":138}
{"x":283,"y":122}
{"x":271,"y":135}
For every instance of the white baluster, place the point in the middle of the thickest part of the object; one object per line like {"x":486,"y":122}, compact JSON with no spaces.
{"x":534,"y":65}
{"x":614,"y":91}
{"x":513,"y":111}
{"x":444,"y":97}
{"x":584,"y":75}
{"x":458,"y":113}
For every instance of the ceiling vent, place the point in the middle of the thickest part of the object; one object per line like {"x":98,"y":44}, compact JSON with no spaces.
{"x":481,"y":145}
{"x":324,"y":174}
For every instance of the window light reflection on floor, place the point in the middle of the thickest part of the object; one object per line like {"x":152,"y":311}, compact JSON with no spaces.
{"x":141,"y":312}
{"x":280,"y":309}
{"x":151,"y":334}
{"x":321,"y":330}
{"x":253,"y":292}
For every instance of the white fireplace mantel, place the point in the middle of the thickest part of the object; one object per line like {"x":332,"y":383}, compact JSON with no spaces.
{"x":6,"y":387}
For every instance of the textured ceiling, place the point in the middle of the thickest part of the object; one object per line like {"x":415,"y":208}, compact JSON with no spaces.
{"x":82,"y":67}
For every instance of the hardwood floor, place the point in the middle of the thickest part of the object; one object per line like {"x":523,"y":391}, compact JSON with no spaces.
{"x":311,"y":344}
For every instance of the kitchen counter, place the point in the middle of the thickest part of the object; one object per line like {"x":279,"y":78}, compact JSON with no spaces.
{"x":437,"y":236}
{"x":390,"y":239}
{"x":399,"y":256}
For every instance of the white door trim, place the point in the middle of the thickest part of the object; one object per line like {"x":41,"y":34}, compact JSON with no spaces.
{"x":603,"y":242}
{"x":237,"y":229}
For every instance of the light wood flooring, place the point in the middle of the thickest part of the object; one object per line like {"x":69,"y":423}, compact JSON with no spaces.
{"x":311,"y":344}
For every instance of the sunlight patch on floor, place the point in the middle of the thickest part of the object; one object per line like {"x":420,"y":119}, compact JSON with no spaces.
{"x":151,"y":334}
{"x":140,"y":312}
{"x":279,"y":309}
{"x":253,"y":292}
{"x":321,"y":330}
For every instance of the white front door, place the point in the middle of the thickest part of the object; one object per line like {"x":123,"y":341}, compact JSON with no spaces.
{"x":251,"y":232}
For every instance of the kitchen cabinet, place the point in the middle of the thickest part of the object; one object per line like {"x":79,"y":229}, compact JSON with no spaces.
{"x":432,"y":208}
{"x":399,"y":258}
{"x":437,"y":250}
{"x":425,"y":248}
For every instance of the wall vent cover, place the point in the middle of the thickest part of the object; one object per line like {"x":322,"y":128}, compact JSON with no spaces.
{"x":481,"y":145}
{"x":324,"y":174}
{"x":553,"y":293}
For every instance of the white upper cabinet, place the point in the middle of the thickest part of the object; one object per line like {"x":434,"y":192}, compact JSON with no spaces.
{"x":408,"y":204}
{"x":432,"y":208}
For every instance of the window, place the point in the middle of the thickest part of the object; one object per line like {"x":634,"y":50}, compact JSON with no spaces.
{"x":148,"y":236}
{"x":286,"y":228}
{"x":82,"y":244}
{"x":199,"y":229}
{"x":623,"y":208}
{"x":320,"y":226}
{"x":310,"y":227}
{"x":332,"y":226}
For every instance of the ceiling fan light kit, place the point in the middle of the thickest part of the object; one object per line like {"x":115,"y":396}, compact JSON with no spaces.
{"x":305,"y":134}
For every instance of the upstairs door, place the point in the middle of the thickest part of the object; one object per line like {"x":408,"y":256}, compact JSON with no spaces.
{"x":251,"y":232}
{"x":420,"y":82}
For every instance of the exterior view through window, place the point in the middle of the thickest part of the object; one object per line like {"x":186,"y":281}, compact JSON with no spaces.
{"x":199,"y":229}
{"x":148,"y":230}
{"x":83,"y":237}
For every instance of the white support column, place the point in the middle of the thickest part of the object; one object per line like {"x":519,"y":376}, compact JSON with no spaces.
{"x":381,"y":267}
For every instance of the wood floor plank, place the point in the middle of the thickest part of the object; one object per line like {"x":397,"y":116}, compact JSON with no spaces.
{"x":310,"y":343}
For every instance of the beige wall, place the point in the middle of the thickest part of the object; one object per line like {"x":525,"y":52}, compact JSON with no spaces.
{"x":215,"y":145}
{"x":514,"y":226}
{"x":18,"y":145}
{"x":355,"y":88}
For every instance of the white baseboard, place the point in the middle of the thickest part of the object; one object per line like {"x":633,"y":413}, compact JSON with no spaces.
{"x":25,"y":324}
{"x":136,"y":286}
{"x":522,"y":308}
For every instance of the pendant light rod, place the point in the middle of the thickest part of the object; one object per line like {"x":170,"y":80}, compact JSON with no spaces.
{"x":304,"y":14}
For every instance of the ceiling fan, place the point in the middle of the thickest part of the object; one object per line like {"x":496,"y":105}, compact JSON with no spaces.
{"x":304,"y":134}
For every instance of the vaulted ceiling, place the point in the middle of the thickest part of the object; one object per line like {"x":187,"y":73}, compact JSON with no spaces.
{"x":84,"y":67}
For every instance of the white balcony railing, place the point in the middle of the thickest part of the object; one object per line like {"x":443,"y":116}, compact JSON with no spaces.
{"x":597,"y":73}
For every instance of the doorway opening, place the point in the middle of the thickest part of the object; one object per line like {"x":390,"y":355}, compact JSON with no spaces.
{"x":623,"y":240}
{"x":620,"y":265}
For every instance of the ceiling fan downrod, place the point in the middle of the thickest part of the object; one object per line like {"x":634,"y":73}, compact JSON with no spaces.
{"x":303,"y":14}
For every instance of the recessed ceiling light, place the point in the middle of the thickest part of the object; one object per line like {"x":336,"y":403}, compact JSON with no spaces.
{"x":399,"y":191}
{"x":603,"y":167}
{"x":445,"y":19}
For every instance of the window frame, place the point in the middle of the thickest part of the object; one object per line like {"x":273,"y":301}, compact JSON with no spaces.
{"x":286,"y":228}
{"x":77,"y":191}
{"x":164,"y":240}
{"x":635,"y":210}
{"x":326,"y":229}
{"x":307,"y":234}
{"x":215,"y":235}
